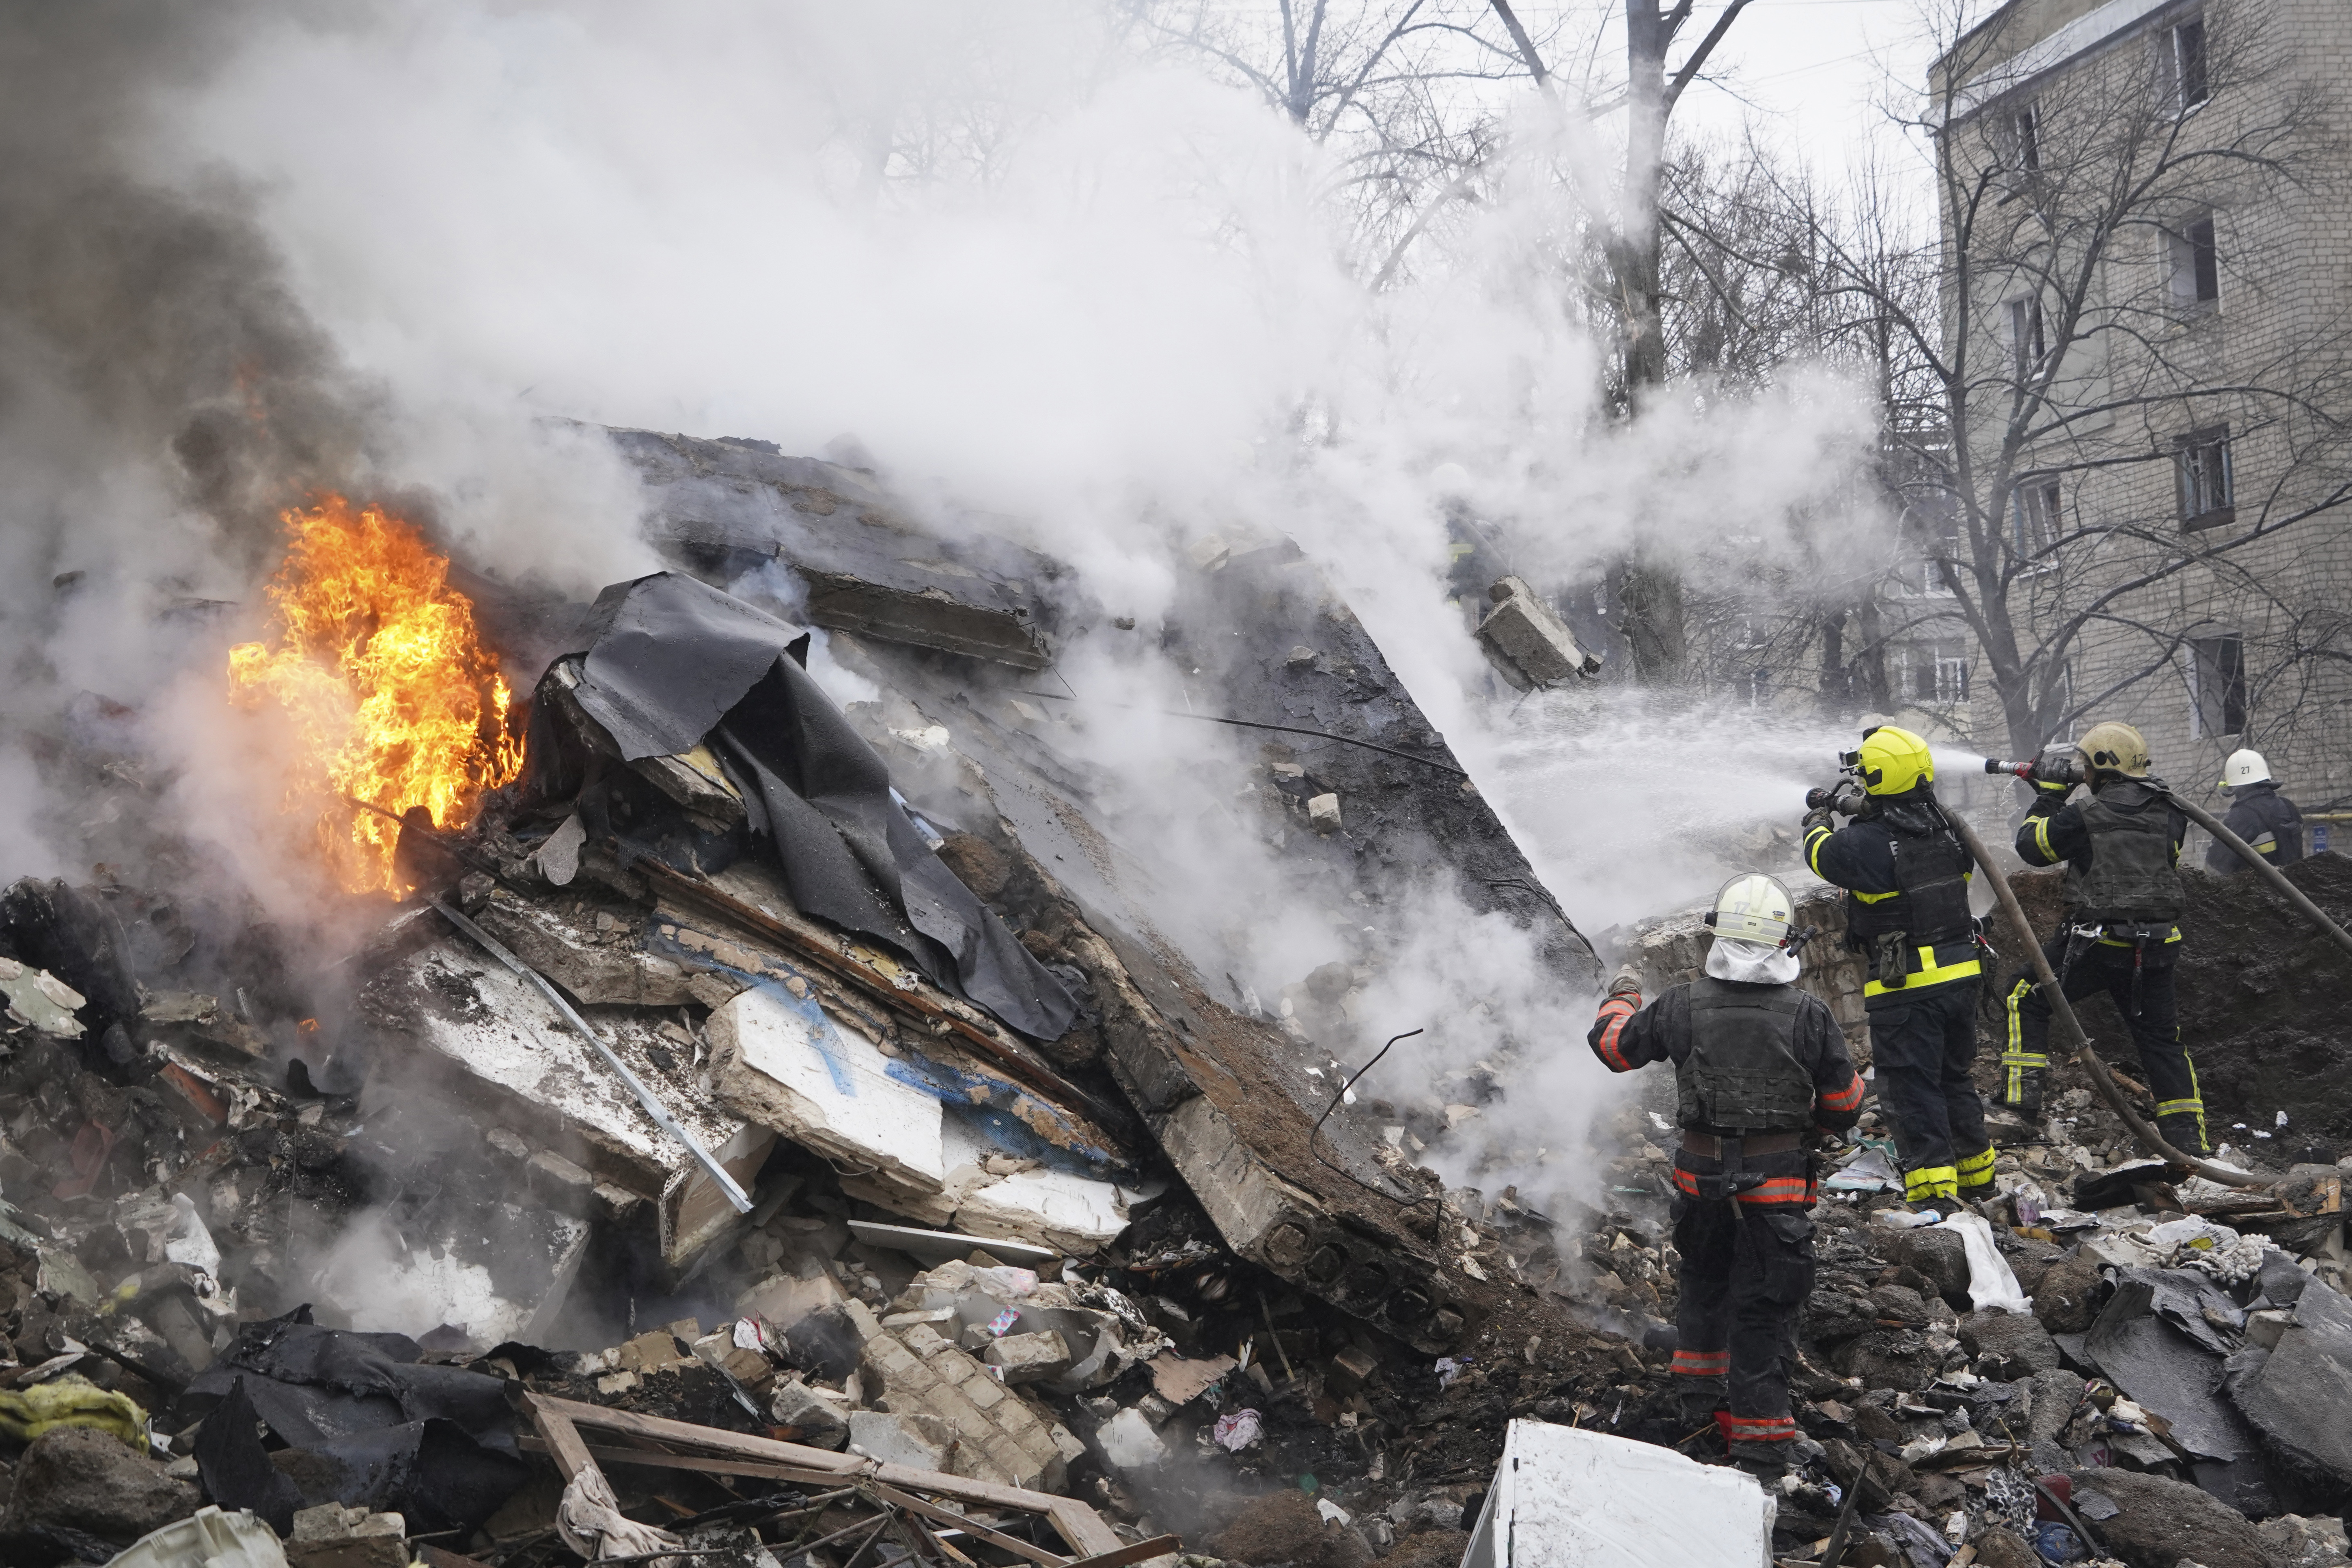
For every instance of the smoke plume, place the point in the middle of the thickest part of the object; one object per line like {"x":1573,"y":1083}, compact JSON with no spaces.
{"x":248,"y":252}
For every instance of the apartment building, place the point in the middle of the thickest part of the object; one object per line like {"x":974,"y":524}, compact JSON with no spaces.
{"x":2147,"y":299}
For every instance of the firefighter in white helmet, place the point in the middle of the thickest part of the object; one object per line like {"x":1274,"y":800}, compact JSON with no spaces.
{"x":1760,"y":1072}
{"x":2258,"y":814}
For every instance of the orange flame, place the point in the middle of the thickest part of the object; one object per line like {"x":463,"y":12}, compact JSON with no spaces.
{"x":395,"y":699}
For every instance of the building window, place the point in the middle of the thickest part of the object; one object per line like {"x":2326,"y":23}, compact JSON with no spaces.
{"x":2034,"y":518}
{"x":2192,"y":264}
{"x":2025,"y":135}
{"x":1934,"y":673}
{"x":2217,"y":686}
{"x":2028,"y":342}
{"x":2200,"y":464}
{"x":2181,"y":61}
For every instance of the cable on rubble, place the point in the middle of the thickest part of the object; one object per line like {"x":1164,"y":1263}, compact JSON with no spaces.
{"x":1259,"y":724}
{"x":1328,"y":1109}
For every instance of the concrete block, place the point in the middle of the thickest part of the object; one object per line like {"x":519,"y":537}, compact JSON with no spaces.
{"x":1029,"y":1358}
{"x":558,"y":1183}
{"x":790,"y":1066}
{"x":333,"y":1536}
{"x":1323,"y":814}
{"x":808,"y":1416}
{"x":898,"y":1440}
{"x":1534,"y":646}
{"x":923,"y":1339}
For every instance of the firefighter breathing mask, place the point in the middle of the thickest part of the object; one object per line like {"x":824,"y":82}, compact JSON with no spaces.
{"x":1754,"y":939}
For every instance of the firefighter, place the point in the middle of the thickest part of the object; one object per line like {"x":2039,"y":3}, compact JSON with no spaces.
{"x":2264,"y":818}
{"x":1760,"y":1072}
{"x":2123,"y":894}
{"x":1906,"y":907}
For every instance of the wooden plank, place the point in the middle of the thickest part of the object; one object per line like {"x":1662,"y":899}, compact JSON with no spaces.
{"x":555,"y":1429}
{"x":943,"y":1546}
{"x":1141,"y":1551}
{"x":1079,"y":1525}
{"x":704,"y":1462}
{"x":932,"y":1511}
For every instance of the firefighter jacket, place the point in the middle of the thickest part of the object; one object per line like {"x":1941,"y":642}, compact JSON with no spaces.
{"x":1748,"y":1060}
{"x":1905,"y":876}
{"x":2264,"y":819}
{"x":2121,"y":846}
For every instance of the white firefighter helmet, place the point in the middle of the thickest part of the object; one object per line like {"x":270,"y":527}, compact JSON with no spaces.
{"x":2244,"y":767}
{"x":1752,"y":908}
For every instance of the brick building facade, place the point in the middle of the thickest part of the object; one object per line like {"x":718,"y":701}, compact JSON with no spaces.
{"x":2194,"y":380}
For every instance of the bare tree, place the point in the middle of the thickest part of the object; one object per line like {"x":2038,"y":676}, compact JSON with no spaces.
{"x":2101,"y":395}
{"x":1407,"y":93}
{"x":1650,"y":590}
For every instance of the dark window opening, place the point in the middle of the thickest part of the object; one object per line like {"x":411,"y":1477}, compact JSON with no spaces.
{"x":2195,"y":263}
{"x":2025,"y":127}
{"x":2201,"y":471}
{"x":2033,"y":517}
{"x":2027,"y":337}
{"x":2185,"y":64}
{"x":1933,"y":673}
{"x":2217,"y":685}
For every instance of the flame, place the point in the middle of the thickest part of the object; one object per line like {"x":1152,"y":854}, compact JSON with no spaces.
{"x":395,"y":699}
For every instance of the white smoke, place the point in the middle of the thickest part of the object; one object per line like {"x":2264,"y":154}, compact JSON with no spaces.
{"x":1036,"y":274}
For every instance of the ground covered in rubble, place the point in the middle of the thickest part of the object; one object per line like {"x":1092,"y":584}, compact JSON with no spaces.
{"x":778,"y":1133}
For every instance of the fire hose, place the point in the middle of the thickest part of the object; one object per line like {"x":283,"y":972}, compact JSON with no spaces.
{"x":2271,"y":874}
{"x":2310,"y":911}
{"x":2046,"y":982}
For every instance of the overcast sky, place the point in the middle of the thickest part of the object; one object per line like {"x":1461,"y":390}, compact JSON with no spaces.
{"x":1811,"y":73}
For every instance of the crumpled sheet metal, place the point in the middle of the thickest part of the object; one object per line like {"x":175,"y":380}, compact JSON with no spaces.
{"x":673,"y":662}
{"x":434,"y":1443}
{"x":36,"y":997}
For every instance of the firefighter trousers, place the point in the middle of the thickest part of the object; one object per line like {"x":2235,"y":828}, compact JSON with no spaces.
{"x":1746,"y":1271}
{"x":2101,"y":967}
{"x":1921,"y":1049}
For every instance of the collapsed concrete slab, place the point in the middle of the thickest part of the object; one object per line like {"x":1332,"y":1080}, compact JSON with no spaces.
{"x":484,"y":1036}
{"x":2297,"y":1393}
{"x":868,"y":566}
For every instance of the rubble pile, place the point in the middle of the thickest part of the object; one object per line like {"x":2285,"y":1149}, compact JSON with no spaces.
{"x":779,"y":1129}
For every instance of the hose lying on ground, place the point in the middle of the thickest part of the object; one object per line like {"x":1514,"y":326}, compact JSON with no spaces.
{"x":2047,"y":983}
{"x":2271,"y":874}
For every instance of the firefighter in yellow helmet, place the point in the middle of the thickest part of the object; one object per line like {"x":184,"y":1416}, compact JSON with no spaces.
{"x":1906,"y":876}
{"x":1760,"y":1072}
{"x":2121,"y":846}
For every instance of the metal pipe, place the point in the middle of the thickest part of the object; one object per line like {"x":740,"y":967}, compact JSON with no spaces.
{"x":2047,"y":983}
{"x":652,"y":1107}
{"x":2271,"y":874}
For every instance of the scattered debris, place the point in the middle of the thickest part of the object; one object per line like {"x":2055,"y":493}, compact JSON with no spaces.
{"x":851,"y":1170}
